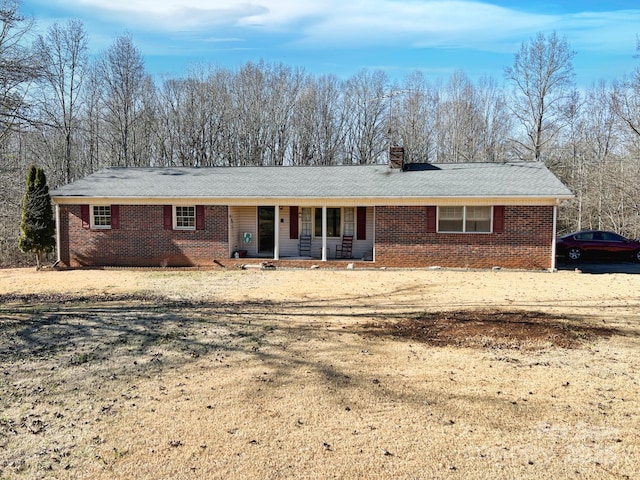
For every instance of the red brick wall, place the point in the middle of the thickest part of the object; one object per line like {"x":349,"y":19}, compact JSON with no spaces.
{"x":402,"y":240}
{"x":142,"y":240}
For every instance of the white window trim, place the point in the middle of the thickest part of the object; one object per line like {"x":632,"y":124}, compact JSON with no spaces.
{"x":464,"y":220}
{"x":175,"y":217}
{"x":93,"y":220}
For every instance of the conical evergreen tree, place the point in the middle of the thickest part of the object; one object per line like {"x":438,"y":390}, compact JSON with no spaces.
{"x":37,"y":227}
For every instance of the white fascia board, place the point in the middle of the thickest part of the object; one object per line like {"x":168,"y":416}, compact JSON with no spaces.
{"x":312,"y":201}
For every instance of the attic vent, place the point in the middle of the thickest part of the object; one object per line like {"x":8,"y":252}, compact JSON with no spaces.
{"x":396,"y":157}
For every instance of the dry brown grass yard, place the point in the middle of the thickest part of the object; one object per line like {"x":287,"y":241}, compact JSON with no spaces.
{"x":318,"y":374}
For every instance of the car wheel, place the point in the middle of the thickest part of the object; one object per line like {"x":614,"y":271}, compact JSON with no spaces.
{"x":636,"y":255}
{"x":574,"y":254}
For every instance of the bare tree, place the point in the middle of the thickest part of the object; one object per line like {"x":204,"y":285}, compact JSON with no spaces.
{"x":304,"y":126}
{"x":318,"y":123}
{"x":366,"y":101}
{"x":63,"y":53}
{"x":123,"y":80}
{"x":170,"y":119}
{"x":626,"y":98}
{"x":459,"y":122}
{"x":284,"y":87}
{"x":496,"y":122}
{"x":19,"y":67}
{"x":213,"y":89}
{"x":91,"y":142}
{"x":568,"y":161}
{"x":416,"y":119}
{"x":542,"y":78}
{"x":188,"y":115}
{"x":250,"y":105}
{"x":599,"y":138}
{"x":591,"y":160}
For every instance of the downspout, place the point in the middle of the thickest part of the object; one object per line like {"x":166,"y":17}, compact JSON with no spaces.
{"x":58,"y":255}
{"x":230,"y":246}
{"x":324,"y":233}
{"x":276,"y":234}
{"x":373,"y":248}
{"x":553,"y":239}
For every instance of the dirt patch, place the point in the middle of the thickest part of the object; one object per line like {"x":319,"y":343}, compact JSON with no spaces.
{"x":494,"y":329}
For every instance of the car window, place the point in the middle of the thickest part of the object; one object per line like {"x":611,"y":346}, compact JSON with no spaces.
{"x":584,"y":236}
{"x":612,"y":237}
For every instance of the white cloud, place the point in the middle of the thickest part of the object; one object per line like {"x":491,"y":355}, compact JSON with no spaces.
{"x":181,"y":14}
{"x":424,"y":24}
{"x":364,"y":23}
{"x":613,"y":32}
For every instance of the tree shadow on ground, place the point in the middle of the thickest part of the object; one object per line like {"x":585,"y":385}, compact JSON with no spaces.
{"x":158,"y":333}
{"x":63,"y":327}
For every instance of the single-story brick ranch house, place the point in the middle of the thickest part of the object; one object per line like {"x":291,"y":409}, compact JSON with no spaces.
{"x":475,"y":215}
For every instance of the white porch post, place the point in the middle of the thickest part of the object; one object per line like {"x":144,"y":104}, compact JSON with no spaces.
{"x":324,"y":233}
{"x":373,"y":235}
{"x":231,"y":247}
{"x":276,"y":234}
{"x":57,"y":233}
{"x":553,"y":239}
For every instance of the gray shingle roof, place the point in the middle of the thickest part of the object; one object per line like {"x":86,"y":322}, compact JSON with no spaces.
{"x":524,"y":179}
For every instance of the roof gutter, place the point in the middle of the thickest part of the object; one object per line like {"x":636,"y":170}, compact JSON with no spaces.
{"x":315,"y":201}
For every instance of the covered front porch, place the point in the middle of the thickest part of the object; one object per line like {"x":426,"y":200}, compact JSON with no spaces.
{"x":275,"y":231}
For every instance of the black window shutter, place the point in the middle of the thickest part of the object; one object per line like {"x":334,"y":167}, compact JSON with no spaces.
{"x":362,"y":223}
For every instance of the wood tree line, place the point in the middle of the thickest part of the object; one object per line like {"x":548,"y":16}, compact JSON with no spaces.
{"x":72,"y":116}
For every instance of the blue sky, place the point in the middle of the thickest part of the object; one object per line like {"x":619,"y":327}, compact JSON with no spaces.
{"x":342,"y":37}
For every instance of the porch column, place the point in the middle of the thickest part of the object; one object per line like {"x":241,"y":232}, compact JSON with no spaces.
{"x":276,"y":234}
{"x":373,"y":236}
{"x":553,"y":238}
{"x":57,"y":213}
{"x":324,"y":233}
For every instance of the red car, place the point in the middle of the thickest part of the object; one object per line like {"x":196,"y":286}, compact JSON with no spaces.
{"x":597,"y":244}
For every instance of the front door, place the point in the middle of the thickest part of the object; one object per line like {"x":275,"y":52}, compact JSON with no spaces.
{"x":266,"y":221}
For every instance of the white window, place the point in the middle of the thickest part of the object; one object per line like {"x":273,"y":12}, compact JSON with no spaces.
{"x":477,"y":219}
{"x":184,"y":218}
{"x":464,"y":219}
{"x":101,"y":216}
{"x":349,"y":221}
{"x":450,"y":219}
{"x":306,"y":221}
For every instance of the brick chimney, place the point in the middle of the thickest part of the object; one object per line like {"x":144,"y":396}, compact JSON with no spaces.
{"x":396,"y":157}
